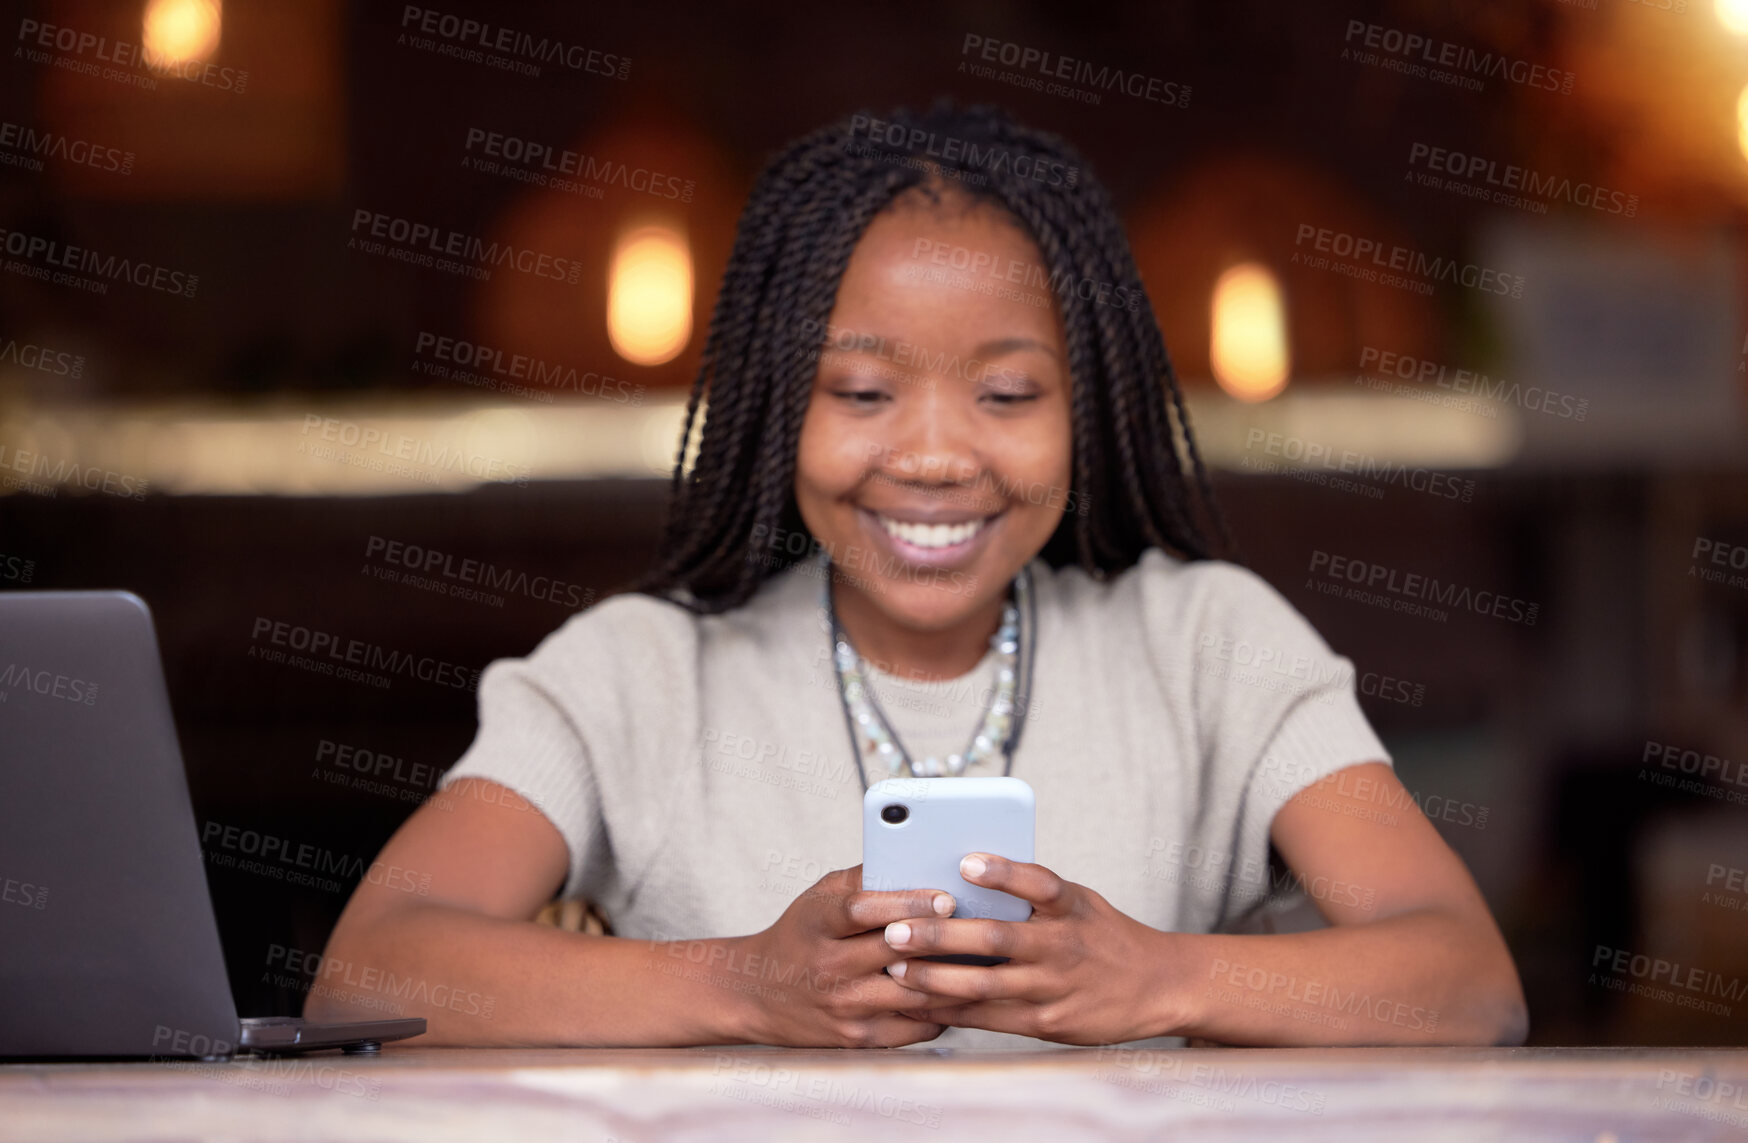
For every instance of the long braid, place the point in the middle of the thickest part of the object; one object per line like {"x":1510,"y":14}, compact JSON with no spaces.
{"x":1227,"y":543}
{"x":855,"y":210}
{"x":1155,"y":481}
{"x":799,"y":228}
{"x":737,"y":282}
{"x":783,"y":357}
{"x":726,"y":366}
{"x":1108,"y":260}
{"x":1092,"y":409}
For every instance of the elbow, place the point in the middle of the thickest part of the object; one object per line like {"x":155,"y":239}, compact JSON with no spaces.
{"x":1488,"y":1021}
{"x":352,"y":943}
{"x":1491,"y":1019}
{"x":321,"y":1001}
{"x":1483,"y":997}
{"x":1503,"y":1022}
{"x":1514,"y":1029}
{"x":1499,"y":1017}
{"x":1510,"y":1024}
{"x":1511,"y":1013}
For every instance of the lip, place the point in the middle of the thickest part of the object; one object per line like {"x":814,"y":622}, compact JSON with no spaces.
{"x":950,"y":558}
{"x":924,"y":516}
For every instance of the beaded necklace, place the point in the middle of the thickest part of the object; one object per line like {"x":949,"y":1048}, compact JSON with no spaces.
{"x":871,"y":737}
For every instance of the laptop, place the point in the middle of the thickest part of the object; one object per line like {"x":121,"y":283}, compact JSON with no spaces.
{"x":108,"y":943}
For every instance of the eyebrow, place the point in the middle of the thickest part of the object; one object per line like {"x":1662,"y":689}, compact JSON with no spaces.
{"x":1003,"y":345}
{"x":992,"y":348}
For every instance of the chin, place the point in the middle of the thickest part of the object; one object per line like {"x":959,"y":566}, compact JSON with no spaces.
{"x":928,"y":607}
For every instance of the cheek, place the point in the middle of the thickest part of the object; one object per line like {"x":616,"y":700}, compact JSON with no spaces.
{"x":1043,"y":455}
{"x":828,"y":461}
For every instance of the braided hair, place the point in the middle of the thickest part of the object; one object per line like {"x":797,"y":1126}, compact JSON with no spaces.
{"x":803,"y":219}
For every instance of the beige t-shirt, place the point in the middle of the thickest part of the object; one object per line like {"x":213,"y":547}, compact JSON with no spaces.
{"x":702,"y":775}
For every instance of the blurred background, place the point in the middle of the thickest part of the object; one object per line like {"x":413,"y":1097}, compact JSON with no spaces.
{"x":377,"y":321}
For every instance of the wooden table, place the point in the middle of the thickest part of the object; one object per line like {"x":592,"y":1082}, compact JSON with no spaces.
{"x":427,"y":1095}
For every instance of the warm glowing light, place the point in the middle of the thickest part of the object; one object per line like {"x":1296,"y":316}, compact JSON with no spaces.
{"x":1742,"y":122}
{"x":181,"y":32}
{"x":649,"y":295}
{"x":1249,"y":344}
{"x":1733,"y":15}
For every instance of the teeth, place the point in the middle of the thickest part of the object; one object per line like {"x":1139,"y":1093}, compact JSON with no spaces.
{"x":931,"y":535}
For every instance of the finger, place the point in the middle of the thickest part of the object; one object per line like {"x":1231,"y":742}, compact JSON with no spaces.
{"x":835,"y":887}
{"x":1047,"y":892}
{"x":870,"y":994}
{"x":826,"y":899}
{"x":895,"y":1030}
{"x":969,"y":982}
{"x":817,"y":905}
{"x":939,"y":1011}
{"x":931,"y":936}
{"x":1016,"y":1016}
{"x":858,"y":971}
{"x":869,"y":909}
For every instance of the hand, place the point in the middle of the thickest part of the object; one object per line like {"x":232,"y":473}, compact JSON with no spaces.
{"x":821,"y":969}
{"x":1079,"y":971}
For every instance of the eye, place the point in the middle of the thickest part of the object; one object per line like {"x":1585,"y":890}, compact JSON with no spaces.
{"x":1006,"y":387}
{"x":1011,"y":392}
{"x":861,"y":398}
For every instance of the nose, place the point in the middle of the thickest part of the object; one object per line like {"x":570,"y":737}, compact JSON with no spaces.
{"x":931,"y":441}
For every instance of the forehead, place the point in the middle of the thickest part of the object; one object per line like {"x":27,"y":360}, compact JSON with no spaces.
{"x":945,"y":273}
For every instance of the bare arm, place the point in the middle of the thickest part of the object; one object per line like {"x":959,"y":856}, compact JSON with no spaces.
{"x":469,"y":957}
{"x":1413,"y":958}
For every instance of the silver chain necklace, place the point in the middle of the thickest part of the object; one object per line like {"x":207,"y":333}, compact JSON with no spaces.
{"x":870,"y":735}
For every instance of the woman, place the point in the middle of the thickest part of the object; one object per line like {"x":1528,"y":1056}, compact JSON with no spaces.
{"x":937,"y":500}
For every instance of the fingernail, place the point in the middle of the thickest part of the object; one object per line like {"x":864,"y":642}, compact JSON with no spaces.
{"x":943,"y":905}
{"x":897,"y":933}
{"x":973,"y":866}
{"x":896,"y":971}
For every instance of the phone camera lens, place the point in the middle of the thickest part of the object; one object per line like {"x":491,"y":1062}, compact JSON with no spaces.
{"x":894,"y":814}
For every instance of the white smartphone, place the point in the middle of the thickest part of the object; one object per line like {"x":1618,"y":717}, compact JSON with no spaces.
{"x":915,"y":831}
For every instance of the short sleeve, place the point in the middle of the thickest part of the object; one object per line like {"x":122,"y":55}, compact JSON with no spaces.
{"x":1275,"y":708}
{"x":528,"y":744}
{"x":571,"y":727}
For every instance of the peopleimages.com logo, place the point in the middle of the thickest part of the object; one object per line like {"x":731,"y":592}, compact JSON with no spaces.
{"x":1442,"y":61}
{"x":272,"y":638}
{"x":983,"y":156}
{"x":1507,"y":184}
{"x":1413,"y":592}
{"x":17,"y":676}
{"x":24,"y":146}
{"x":1395,"y":265}
{"x":1040,"y":70}
{"x":1469,"y":382}
{"x":542,"y":163}
{"x":16,"y":568}
{"x":56,"y":362}
{"x":44,"y":475}
{"x":423,"y":244}
{"x":45,"y":256}
{"x":510,"y":49}
{"x":24,"y":894}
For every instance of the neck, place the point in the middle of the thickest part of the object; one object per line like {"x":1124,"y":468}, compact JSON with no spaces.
{"x":945,"y":653}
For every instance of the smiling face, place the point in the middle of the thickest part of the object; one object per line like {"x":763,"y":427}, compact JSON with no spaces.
{"x":934,"y":459}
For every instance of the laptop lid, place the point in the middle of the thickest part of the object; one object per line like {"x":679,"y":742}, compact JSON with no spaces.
{"x":108,"y":944}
